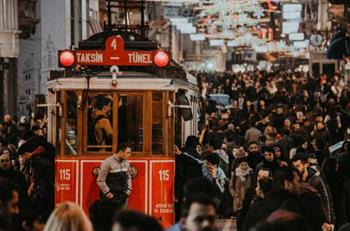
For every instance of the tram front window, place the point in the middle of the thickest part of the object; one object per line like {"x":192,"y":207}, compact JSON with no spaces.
{"x":157,"y":123}
{"x":100,"y":126}
{"x":130,"y":120}
{"x":71,"y":123}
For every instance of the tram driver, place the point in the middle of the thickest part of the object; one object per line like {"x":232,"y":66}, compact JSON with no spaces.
{"x":114,"y":179}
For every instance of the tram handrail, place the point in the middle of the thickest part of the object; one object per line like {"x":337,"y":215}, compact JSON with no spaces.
{"x":179,"y":106}
{"x":99,"y":146}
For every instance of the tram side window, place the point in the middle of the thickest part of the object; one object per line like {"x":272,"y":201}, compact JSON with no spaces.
{"x":58,"y":123}
{"x":130,"y":121}
{"x":100,"y":122}
{"x":157,"y":123}
{"x":71,"y":123}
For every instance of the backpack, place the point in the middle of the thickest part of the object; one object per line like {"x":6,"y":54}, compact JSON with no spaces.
{"x":91,"y":130}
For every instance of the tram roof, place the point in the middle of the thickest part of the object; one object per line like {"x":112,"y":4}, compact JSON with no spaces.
{"x":125,"y":81}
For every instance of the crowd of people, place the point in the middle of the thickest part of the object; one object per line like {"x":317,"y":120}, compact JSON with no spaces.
{"x":271,"y":153}
{"x":26,"y":173}
{"x":275,"y":156}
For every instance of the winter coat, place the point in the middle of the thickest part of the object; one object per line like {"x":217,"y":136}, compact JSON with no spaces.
{"x":314,"y":179}
{"x":307,"y":204}
{"x":238,"y":188}
{"x":252,"y":134}
{"x":188,"y":167}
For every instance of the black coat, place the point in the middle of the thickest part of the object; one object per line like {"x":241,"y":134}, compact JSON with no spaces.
{"x":188,"y":167}
{"x":308,"y":204}
{"x":262,"y":209}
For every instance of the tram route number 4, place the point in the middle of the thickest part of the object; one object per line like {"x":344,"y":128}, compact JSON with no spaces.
{"x":164,"y":175}
{"x":65,"y":174}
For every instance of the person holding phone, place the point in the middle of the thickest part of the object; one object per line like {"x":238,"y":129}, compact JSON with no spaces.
{"x":213,"y":172}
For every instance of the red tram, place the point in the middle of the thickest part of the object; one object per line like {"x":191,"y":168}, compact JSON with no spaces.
{"x":154,"y":106}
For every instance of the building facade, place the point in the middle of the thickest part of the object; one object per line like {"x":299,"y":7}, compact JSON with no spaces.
{"x":62,"y":25}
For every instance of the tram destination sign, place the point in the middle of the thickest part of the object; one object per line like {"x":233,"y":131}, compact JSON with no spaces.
{"x":113,"y":54}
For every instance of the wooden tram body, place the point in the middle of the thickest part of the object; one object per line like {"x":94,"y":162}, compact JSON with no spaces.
{"x":145,"y":113}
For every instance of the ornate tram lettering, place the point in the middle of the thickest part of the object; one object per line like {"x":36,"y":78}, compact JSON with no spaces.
{"x":139,"y":58}
{"x":89,"y":57}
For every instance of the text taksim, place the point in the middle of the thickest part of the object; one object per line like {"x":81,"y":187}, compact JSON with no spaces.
{"x":89,"y":57}
{"x":139,"y":58}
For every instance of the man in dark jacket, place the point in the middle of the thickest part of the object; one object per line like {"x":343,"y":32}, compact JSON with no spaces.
{"x":188,"y":166}
{"x":254,"y":156}
{"x":290,"y":194}
{"x":314,"y":179}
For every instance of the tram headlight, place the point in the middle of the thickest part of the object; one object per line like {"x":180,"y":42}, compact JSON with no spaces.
{"x":66,"y":58}
{"x":161,"y":59}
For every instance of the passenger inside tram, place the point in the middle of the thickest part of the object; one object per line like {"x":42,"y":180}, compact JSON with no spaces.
{"x":100,"y":127}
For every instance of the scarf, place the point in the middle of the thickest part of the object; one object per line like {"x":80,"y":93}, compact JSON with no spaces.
{"x":242,"y":174}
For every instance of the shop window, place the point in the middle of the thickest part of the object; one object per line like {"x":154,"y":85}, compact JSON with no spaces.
{"x":130,"y":121}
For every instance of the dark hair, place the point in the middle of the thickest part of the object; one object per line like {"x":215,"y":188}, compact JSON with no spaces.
{"x":213,"y":159}
{"x":6,"y":190}
{"x":122,"y":146}
{"x":35,"y":128}
{"x":300,"y":156}
{"x":240,"y":160}
{"x":101,"y":214}
{"x":30,"y":213}
{"x":281,"y":175}
{"x":266,"y":185}
{"x":139,"y":221}
{"x":202,"y":199}
{"x":267,"y":149}
{"x":191,"y":141}
{"x":215,"y":141}
{"x":252,"y":142}
{"x":102,"y":101}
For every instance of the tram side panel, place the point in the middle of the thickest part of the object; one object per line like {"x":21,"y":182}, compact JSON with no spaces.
{"x":152,"y":185}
